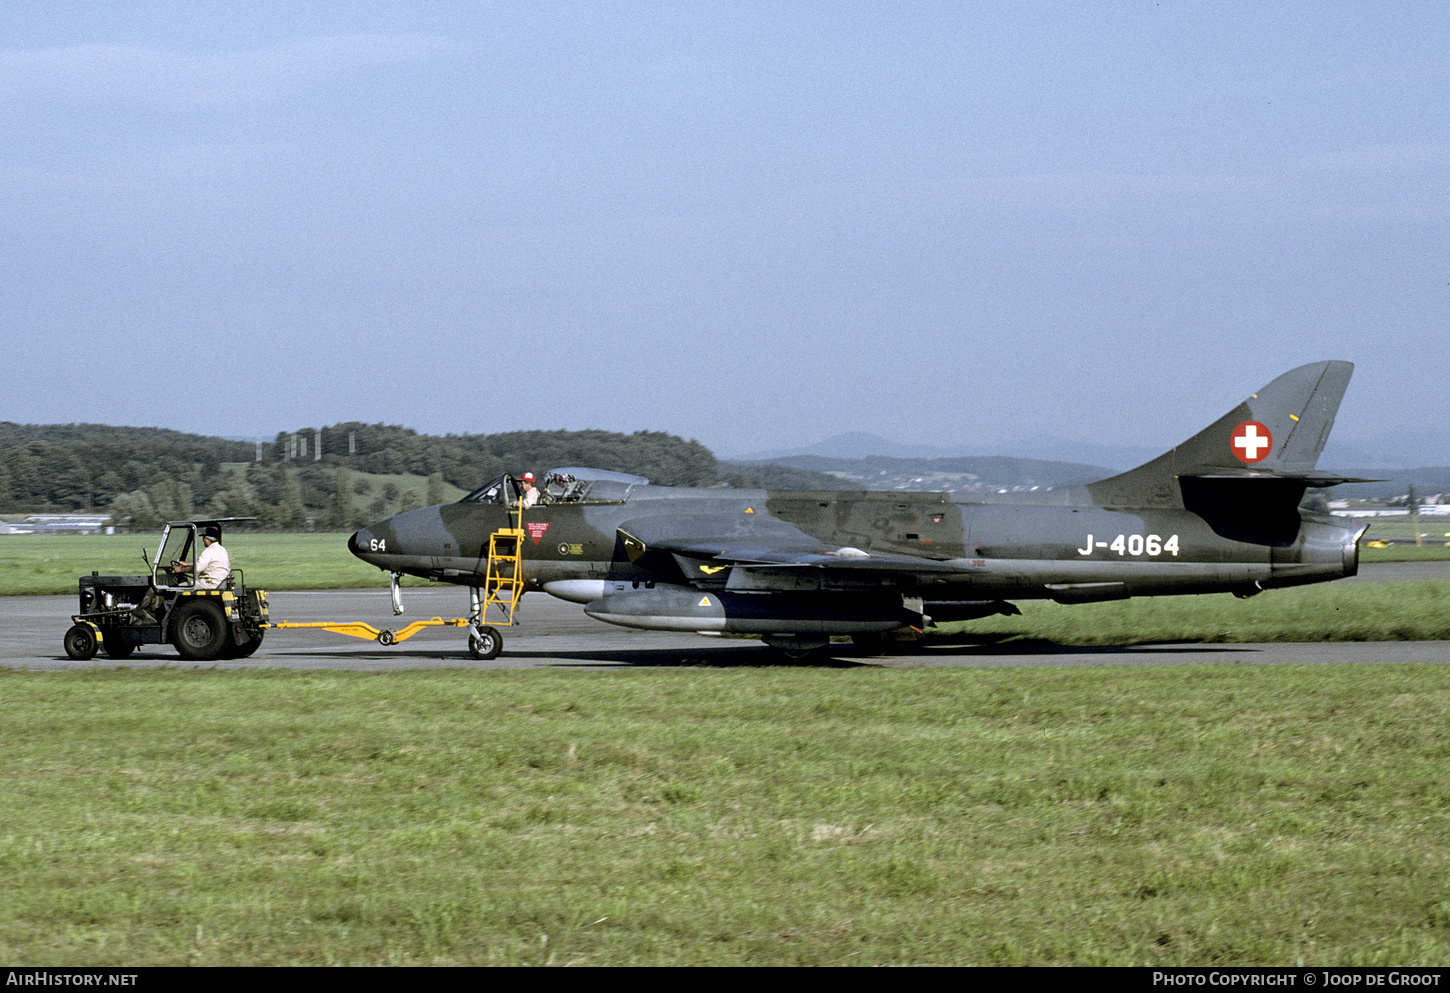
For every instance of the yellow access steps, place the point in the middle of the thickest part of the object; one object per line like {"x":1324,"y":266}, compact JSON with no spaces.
{"x":503,"y":582}
{"x":503,"y":585}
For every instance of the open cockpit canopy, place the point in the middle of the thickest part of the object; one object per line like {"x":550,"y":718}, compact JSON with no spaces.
{"x":568,"y":485}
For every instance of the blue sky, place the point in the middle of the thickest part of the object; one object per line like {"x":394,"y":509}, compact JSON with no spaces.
{"x":754,"y":224}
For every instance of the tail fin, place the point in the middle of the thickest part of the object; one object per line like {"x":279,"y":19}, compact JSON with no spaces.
{"x":1277,"y":433}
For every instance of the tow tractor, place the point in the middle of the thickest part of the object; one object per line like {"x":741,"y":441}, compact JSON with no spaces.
{"x":167,"y":606}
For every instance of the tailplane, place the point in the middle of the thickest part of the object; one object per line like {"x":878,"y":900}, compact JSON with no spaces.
{"x":1276,"y":434}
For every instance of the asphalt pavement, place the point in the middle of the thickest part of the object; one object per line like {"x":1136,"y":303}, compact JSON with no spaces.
{"x":553,"y":634}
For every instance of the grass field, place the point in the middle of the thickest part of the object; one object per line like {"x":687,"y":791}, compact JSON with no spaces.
{"x":36,"y":565}
{"x":1414,"y":611}
{"x":1433,"y":532}
{"x":1195,"y":815}
{"x":1186,"y":815}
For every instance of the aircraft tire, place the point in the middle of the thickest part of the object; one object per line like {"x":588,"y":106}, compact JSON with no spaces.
{"x":80,"y":642}
{"x":799,"y":656}
{"x":200,"y":631}
{"x":485,"y":643}
{"x":871,"y":643}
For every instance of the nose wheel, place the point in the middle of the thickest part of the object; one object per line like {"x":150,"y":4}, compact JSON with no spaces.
{"x":484,"y":642}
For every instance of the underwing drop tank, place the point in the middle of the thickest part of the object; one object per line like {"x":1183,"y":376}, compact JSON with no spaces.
{"x":664,"y":607}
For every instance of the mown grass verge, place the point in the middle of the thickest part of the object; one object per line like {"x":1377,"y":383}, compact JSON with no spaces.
{"x":1411,"y":611}
{"x":1138,"y":816}
{"x":38,"y":565}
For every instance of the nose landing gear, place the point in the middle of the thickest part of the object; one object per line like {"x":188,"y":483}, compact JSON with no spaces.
{"x":484,"y":642}
{"x":503,"y":585}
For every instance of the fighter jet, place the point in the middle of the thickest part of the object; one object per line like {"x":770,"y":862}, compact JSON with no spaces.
{"x":1219,"y":513}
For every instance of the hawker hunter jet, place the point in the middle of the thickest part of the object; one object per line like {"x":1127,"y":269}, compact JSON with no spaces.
{"x":1220,"y":513}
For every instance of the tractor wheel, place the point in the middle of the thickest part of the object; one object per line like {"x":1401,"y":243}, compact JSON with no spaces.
{"x":485,"y":643}
{"x":199,"y":631}
{"x":246,"y":649}
{"x":80,"y":642}
{"x":117,"y":647}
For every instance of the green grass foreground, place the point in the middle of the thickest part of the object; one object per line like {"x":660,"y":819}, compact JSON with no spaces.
{"x":1140,"y":816}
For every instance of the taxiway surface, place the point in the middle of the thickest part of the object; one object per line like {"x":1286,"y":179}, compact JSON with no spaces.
{"x":554,"y":634}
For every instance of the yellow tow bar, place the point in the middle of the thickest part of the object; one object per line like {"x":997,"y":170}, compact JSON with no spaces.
{"x":361,"y":629}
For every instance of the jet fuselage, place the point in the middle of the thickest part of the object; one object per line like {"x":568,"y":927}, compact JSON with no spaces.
{"x":1047,"y":546}
{"x":1219,"y":513}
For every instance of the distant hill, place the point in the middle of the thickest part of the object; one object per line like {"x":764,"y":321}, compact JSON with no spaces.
{"x":365,"y":472}
{"x":965,"y":474}
{"x":775,"y":476}
{"x":1392,"y":451}
{"x":861,"y":460}
{"x":853,"y":445}
{"x":1040,"y":448}
{"x":334,"y":476}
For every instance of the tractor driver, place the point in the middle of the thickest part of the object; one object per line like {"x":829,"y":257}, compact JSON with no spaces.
{"x":213,"y":565}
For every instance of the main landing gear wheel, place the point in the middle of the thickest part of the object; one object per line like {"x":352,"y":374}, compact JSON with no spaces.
{"x":798,"y":649}
{"x":870,"y":643}
{"x":799,"y":656}
{"x":485,"y":643}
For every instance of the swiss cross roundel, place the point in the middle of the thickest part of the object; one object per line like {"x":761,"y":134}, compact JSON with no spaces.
{"x":1252,"y":442}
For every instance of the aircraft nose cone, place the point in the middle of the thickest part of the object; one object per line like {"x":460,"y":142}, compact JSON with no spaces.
{"x":359,"y":543}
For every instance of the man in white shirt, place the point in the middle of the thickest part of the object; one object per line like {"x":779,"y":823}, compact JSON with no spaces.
{"x":213,"y":565}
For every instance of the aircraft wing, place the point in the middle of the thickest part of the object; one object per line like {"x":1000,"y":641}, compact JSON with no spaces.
{"x":783,"y":558}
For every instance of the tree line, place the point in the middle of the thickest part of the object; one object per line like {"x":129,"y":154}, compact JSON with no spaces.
{"x":143,"y":476}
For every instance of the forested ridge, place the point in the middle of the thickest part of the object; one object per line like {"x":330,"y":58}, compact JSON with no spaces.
{"x":146,"y":475}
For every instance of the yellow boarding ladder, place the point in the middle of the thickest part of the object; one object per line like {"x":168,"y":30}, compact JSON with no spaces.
{"x":503,"y":584}
{"x":503,"y":581}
